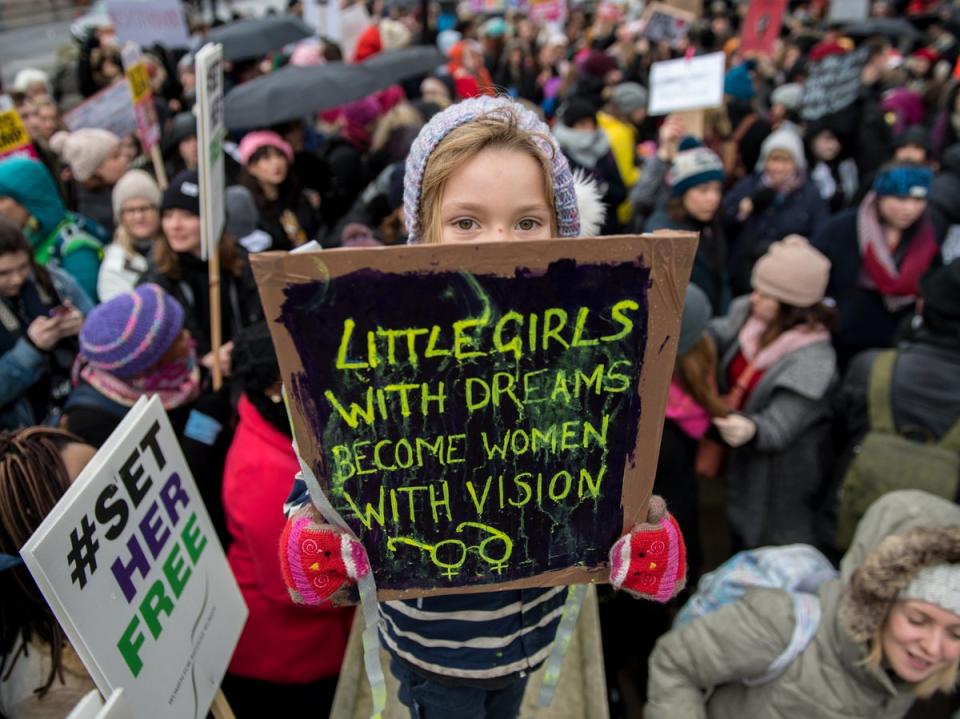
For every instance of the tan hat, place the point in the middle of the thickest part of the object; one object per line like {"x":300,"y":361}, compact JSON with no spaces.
{"x":135,"y":184}
{"x":793,"y":272}
{"x":84,"y":150}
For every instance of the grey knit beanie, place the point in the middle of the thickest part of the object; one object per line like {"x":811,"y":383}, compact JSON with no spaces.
{"x":629,"y":96}
{"x":135,"y":184}
{"x":565,"y":198}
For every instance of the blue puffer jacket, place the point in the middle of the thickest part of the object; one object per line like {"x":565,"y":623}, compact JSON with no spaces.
{"x":59,"y":238}
{"x":801,"y":212}
{"x":21,"y":364}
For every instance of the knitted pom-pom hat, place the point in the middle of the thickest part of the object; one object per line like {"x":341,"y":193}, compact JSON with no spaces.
{"x":565,"y":192}
{"x":128,"y":334}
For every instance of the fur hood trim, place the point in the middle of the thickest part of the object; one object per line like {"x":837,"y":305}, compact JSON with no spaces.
{"x":589,"y":204}
{"x":887,"y":571}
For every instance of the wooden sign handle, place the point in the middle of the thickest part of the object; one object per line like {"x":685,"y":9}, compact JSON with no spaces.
{"x":693,"y":120}
{"x":158,"y":168}
{"x":213,"y":273}
{"x":221,"y":707}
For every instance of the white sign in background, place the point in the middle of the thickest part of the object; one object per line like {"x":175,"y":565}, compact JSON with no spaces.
{"x":210,"y":137}
{"x":694,"y":83}
{"x":129,"y":562}
{"x":148,"y":22}
{"x":110,"y":109}
{"x":848,"y":10}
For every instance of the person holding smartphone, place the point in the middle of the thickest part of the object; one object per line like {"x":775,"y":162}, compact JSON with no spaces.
{"x":41,"y":312}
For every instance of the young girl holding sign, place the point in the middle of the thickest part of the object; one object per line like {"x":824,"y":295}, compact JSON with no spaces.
{"x":485,"y":169}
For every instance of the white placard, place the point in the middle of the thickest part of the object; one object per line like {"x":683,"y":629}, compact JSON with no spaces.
{"x":147,"y":23}
{"x":92,"y":707}
{"x":848,"y":10}
{"x":110,"y":109}
{"x":325,"y":18}
{"x":210,"y":135}
{"x":686,"y":84}
{"x":130,"y":565}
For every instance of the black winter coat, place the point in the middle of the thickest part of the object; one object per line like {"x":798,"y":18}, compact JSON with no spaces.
{"x":239,"y":299}
{"x":865,"y":321}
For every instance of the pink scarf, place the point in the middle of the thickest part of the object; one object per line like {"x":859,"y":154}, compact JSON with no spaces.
{"x":787,"y":343}
{"x":176,"y":383}
{"x":683,"y":409}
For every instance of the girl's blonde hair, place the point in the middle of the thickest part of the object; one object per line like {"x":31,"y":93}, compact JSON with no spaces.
{"x":943,"y":680}
{"x":501,"y":131}
{"x":125,"y":242}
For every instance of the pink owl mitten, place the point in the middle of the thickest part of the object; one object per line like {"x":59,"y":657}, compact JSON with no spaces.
{"x":318,"y":560}
{"x":651,"y":561}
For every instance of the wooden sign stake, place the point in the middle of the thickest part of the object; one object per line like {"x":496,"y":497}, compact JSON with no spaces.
{"x":158,"y":168}
{"x":221,"y":707}
{"x":693,"y":120}
{"x":213,"y":273}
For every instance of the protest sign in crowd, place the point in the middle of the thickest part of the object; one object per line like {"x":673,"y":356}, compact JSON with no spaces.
{"x":449,"y":311}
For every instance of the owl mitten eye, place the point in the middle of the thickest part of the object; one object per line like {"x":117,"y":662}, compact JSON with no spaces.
{"x":318,"y":560}
{"x":651,"y":561}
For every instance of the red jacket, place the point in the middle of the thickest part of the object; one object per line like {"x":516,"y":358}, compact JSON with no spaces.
{"x":282,"y":642}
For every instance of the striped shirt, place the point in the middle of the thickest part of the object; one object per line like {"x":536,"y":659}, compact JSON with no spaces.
{"x":473,"y":637}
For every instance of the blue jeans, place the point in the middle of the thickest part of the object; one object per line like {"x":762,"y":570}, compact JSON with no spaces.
{"x":427,"y":699}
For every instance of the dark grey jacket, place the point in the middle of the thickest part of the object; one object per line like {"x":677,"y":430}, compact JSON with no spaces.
{"x":773,"y":481}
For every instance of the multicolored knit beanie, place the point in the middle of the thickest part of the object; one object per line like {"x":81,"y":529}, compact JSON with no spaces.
{"x":128,"y":334}
{"x":565,"y":194}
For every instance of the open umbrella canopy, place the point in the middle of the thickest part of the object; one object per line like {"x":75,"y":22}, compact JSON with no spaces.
{"x":893,"y":28}
{"x":294,"y":92}
{"x":253,"y":38}
{"x":398,"y":65}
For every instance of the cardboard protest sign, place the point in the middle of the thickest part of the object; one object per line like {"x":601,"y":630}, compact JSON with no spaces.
{"x":663,"y":23}
{"x":762,"y":26}
{"x":110,"y":109}
{"x":14,"y":139}
{"x":482,"y":413}
{"x":141,"y":94}
{"x":131,"y":567}
{"x":694,"y":7}
{"x":694,"y":83}
{"x":144,"y":23}
{"x":833,"y":84}
{"x":210,"y":136}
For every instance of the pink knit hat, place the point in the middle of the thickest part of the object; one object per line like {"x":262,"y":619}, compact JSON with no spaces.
{"x":254,"y":141}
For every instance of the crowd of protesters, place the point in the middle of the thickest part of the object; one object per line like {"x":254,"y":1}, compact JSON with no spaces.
{"x":821,"y":244}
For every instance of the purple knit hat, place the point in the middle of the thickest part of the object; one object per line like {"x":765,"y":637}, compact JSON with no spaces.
{"x":565,"y":197}
{"x":127,"y":334}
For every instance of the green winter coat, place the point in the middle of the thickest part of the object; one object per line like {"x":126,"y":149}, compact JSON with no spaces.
{"x":59,"y":238}
{"x":696,"y":670}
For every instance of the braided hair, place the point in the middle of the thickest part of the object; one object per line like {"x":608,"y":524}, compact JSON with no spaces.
{"x":33,"y":478}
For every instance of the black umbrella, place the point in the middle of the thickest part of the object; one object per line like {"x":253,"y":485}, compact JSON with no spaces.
{"x":247,"y":39}
{"x":407,"y":62}
{"x":894,"y":28}
{"x":295,"y":92}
